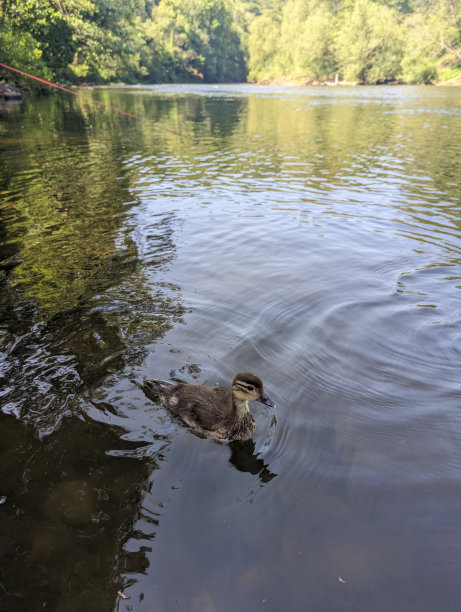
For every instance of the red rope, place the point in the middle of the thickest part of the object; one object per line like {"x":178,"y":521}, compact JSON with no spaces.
{"x":112,"y":108}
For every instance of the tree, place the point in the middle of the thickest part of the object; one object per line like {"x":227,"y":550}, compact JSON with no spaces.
{"x":419,"y":63}
{"x":369,"y":43}
{"x":307,"y":39}
{"x":433,"y":42}
{"x":34,"y":38}
{"x":263,"y":47}
{"x":200,"y":39}
{"x":110,"y":38}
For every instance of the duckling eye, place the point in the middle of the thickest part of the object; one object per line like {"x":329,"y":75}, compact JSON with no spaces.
{"x":250,"y":388}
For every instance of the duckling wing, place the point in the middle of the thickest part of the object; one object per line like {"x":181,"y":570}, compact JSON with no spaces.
{"x":202,"y":408}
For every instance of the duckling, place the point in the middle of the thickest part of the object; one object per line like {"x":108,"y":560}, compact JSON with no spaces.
{"x":212,"y":411}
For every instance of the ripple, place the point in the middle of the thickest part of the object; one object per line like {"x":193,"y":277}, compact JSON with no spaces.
{"x":310,"y":236}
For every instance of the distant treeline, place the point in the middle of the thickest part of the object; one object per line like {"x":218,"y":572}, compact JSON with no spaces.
{"x":101,"y":41}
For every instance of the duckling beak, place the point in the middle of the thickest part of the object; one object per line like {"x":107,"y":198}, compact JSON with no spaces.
{"x":265,"y":399}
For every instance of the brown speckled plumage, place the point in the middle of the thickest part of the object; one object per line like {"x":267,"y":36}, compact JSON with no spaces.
{"x":212,"y":411}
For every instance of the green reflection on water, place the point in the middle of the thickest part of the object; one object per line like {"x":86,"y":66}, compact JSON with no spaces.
{"x":76,"y":307}
{"x":81,"y":303}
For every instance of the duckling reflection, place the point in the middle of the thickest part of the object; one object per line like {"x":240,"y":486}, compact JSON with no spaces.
{"x":243,"y":457}
{"x":212,"y":411}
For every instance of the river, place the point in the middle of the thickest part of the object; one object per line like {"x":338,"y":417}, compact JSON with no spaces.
{"x":309,"y":235}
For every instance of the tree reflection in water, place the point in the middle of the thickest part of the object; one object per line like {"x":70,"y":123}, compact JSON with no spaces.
{"x":80,"y":307}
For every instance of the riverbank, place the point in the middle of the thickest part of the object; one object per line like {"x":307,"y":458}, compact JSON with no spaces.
{"x":303,"y":82}
{"x":456,"y":82}
{"x":10,"y":93}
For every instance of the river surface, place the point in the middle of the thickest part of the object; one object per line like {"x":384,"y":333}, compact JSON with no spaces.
{"x":312,"y":236}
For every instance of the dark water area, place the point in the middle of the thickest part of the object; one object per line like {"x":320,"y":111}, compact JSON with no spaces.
{"x":312,"y":236}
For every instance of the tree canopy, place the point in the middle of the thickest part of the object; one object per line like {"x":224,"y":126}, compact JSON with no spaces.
{"x":102,"y":41}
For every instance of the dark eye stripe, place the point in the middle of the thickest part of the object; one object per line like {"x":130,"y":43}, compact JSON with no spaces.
{"x":243,"y":386}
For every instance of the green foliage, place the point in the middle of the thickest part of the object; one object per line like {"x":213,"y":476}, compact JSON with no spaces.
{"x":307,"y":41}
{"x":367,"y":41}
{"x":20,"y":49}
{"x":433,"y":38}
{"x":110,"y":40}
{"x":128,"y":40}
{"x":419,"y":64}
{"x":263,"y":47}
{"x":369,"y":45}
{"x":200,"y":39}
{"x":49,"y":28}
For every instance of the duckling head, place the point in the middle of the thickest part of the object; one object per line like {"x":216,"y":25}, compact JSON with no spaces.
{"x":248,"y":387}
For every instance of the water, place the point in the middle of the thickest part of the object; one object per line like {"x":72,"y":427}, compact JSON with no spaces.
{"x":309,"y":235}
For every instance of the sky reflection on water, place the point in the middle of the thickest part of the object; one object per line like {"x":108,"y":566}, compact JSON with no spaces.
{"x":311,"y":236}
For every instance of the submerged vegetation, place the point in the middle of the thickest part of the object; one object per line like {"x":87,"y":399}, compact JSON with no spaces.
{"x":102,"y":41}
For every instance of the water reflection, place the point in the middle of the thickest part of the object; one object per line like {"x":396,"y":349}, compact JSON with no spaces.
{"x":310,"y":236}
{"x":245,"y":459}
{"x":69,"y":508}
{"x":77,"y":307}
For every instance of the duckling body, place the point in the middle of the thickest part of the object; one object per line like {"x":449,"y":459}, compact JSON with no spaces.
{"x":213,"y":411}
